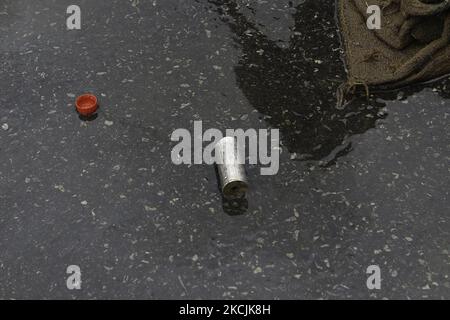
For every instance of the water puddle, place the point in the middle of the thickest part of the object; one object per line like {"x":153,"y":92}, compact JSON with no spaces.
{"x":292,"y":81}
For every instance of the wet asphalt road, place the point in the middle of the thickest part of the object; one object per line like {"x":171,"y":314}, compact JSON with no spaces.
{"x":359,"y":186}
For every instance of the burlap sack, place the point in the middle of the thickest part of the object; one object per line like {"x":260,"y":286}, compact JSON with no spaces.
{"x":413,"y":44}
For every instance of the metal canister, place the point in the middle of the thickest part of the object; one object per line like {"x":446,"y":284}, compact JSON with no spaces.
{"x":230,"y":165}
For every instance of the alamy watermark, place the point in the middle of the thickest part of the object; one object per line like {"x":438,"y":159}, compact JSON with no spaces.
{"x":73,"y":282}
{"x":374,"y":280}
{"x":253,"y":146}
{"x":73,"y":22}
{"x":374,"y":19}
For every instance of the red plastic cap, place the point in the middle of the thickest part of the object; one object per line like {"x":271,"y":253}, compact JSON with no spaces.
{"x":86,"y":104}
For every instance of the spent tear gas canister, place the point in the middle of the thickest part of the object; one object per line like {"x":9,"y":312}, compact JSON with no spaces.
{"x":230,"y":159}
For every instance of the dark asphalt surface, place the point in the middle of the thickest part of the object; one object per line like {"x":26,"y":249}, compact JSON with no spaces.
{"x":365,"y":185}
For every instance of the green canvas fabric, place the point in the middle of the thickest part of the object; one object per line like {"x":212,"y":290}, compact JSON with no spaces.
{"x":413,"y":44}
